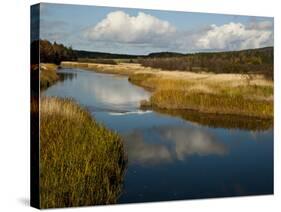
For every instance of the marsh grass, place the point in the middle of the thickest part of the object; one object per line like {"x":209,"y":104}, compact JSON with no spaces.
{"x":207,"y":97}
{"x":48,"y":75}
{"x":212,"y":103}
{"x":146,"y":80}
{"x":81,"y":162}
{"x":236,"y":94}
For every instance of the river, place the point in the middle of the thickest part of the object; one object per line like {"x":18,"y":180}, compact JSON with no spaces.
{"x":170,"y":158}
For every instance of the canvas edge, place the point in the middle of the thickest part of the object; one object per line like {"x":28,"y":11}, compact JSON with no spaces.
{"x":34,"y":117}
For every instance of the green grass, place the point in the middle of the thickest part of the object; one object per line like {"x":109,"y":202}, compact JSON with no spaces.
{"x":81,"y":162}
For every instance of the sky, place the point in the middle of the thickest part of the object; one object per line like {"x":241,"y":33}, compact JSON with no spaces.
{"x":140,"y":31}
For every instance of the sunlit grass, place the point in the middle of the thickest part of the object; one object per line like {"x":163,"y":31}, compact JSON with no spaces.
{"x":212,"y":103}
{"x":238,"y":94}
{"x":209,"y":97}
{"x":81,"y":162}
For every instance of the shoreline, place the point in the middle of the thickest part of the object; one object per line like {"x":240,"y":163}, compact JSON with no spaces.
{"x":48,"y":75}
{"x":228,"y":121}
{"x":67,"y":127}
{"x":227,"y":94}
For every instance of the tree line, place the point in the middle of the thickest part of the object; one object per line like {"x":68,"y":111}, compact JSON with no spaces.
{"x":52,"y":52}
{"x":245,"y":61}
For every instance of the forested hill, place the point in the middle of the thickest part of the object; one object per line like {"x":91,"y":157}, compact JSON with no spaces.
{"x":259,"y":55}
{"x":265,"y":54}
{"x":54,"y":51}
{"x":103,"y":55}
{"x":244,"y":61}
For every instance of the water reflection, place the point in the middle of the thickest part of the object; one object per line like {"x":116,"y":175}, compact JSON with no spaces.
{"x":194,"y":156}
{"x":221,"y":121}
{"x":193,"y":141}
{"x":95,"y":90}
{"x":117,"y":94}
{"x":165,"y":144}
{"x":67,"y":76}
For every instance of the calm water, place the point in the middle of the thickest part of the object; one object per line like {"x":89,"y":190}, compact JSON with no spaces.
{"x":169,"y":157}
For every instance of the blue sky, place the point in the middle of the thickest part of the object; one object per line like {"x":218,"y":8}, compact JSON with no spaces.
{"x":139,"y":31}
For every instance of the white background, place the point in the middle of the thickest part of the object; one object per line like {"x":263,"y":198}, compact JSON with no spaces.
{"x":14,"y":102}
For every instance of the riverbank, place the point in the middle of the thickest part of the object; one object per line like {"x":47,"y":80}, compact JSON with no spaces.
{"x":233,"y":94}
{"x":75,"y":167}
{"x":48,"y":75}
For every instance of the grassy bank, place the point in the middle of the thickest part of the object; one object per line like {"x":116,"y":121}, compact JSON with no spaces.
{"x":209,"y":93}
{"x":81,"y":162}
{"x":211,"y":103}
{"x":236,"y":94}
{"x":209,"y":96}
{"x":48,"y":74}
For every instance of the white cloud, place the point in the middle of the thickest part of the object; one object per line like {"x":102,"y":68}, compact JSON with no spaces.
{"x":234,"y":36}
{"x":147,"y":33}
{"x":121,"y":27}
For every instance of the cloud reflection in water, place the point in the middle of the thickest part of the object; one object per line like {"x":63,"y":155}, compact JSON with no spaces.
{"x":116,"y":94}
{"x":170,"y":144}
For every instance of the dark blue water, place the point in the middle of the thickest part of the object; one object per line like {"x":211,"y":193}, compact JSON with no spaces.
{"x":171,"y":158}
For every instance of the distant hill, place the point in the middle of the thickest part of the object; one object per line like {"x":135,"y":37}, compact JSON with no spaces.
{"x":265,"y":53}
{"x":166,"y":54}
{"x":103,"y":55}
{"x":258,"y":60}
{"x":244,"y":61}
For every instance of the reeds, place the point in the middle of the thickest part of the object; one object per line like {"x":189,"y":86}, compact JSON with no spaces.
{"x":81,"y":162}
{"x":212,"y":103}
{"x":206,"y":96}
{"x":238,"y":94}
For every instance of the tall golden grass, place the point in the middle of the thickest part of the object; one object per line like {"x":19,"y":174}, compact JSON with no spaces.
{"x":238,"y":94}
{"x":225,"y":97}
{"x":212,"y":103}
{"x":81,"y":162}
